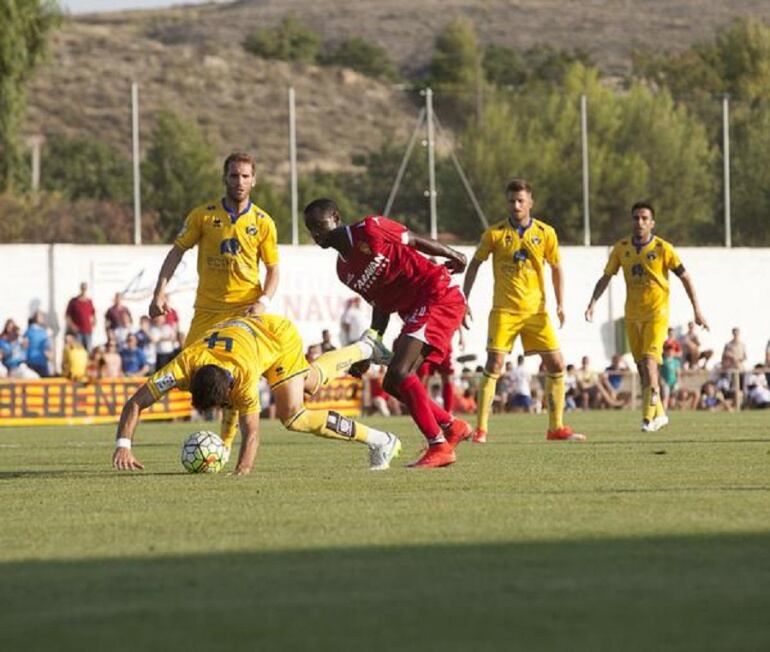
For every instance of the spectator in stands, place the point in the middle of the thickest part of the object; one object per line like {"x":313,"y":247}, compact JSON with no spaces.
{"x":145,"y":341}
{"x":724,"y":379}
{"x":571,"y":390}
{"x":134,"y":362}
{"x":612,"y":381}
{"x":670,"y":376}
{"x":74,"y":363}
{"x":115,"y":316}
{"x":326,"y":341}
{"x":12,"y":353}
{"x":757,"y":392}
{"x":37,"y":342}
{"x":503,"y":388}
{"x":591,"y":392}
{"x":81,"y":317}
{"x":124,"y":328}
{"x":520,"y":398}
{"x":110,"y":363}
{"x":734,"y":353}
{"x":672,"y":342}
{"x":165,"y":340}
{"x":712,"y":399}
{"x":353,"y":322}
{"x":382,"y":402}
{"x":693,"y":356}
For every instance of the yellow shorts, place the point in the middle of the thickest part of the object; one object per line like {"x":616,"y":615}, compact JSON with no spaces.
{"x":537,"y":334}
{"x":290,"y":363}
{"x":645,"y":338}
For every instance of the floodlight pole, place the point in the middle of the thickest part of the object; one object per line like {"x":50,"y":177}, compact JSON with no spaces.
{"x":584,"y":144}
{"x":431,"y":163}
{"x":135,"y":151}
{"x":404,"y":163}
{"x":293,"y":168}
{"x":726,"y":168}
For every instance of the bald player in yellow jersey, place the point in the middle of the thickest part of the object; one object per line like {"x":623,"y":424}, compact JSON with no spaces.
{"x":222,"y":369}
{"x":646,"y":261}
{"x":520,"y":247}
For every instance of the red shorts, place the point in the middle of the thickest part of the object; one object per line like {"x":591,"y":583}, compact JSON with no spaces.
{"x":435,"y":322}
{"x":445,"y":367}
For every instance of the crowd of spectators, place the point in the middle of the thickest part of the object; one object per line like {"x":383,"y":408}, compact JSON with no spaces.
{"x":127,"y":348}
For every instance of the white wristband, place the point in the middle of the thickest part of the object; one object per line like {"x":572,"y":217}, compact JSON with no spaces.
{"x":123,"y":442}
{"x":265,"y":301}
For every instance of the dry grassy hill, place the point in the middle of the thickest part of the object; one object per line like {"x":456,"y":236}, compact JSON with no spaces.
{"x":189,"y":59}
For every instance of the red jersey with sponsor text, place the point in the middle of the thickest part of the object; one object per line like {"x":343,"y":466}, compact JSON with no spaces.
{"x":385,"y":270}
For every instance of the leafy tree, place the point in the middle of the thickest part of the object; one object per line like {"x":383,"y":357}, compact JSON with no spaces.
{"x":85,"y":168}
{"x":503,"y":66}
{"x":290,"y":41}
{"x":364,"y":56}
{"x":24,"y":26}
{"x":179,"y":171}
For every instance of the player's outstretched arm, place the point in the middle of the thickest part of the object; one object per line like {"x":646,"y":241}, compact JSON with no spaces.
{"x":456,"y":261}
{"x":690,"y":289}
{"x":159,"y":304}
{"x":123,"y":459}
{"x":249,"y":424}
{"x":601,"y":286}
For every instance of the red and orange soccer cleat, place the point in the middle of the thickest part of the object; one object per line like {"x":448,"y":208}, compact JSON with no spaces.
{"x":436,"y":455}
{"x":479,"y":436}
{"x":457,"y":431}
{"x":565,"y":433}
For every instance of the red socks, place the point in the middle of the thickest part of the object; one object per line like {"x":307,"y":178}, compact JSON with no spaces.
{"x":426,"y":414}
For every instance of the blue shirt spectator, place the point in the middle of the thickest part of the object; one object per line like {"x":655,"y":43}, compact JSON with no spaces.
{"x":11,"y":350}
{"x":134,"y":360}
{"x":38,"y":345}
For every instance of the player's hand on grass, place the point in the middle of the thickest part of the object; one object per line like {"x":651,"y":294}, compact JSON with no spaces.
{"x":456,"y":262}
{"x":123,"y":460}
{"x":158,"y":305}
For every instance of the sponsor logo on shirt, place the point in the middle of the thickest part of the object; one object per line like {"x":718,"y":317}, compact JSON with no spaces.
{"x":651,"y":256}
{"x":229,"y":246}
{"x":217,"y":222}
{"x":251,"y":230}
{"x":165,"y":383}
{"x":369,"y":276}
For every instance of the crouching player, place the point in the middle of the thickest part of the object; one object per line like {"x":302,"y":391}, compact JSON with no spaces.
{"x":222,"y":370}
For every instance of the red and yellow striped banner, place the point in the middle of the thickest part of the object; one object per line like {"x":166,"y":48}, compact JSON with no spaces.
{"x":58,"y":401}
{"x":343,"y":395}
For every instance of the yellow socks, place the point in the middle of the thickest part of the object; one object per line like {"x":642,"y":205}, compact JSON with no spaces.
{"x":650,"y":400}
{"x":329,"y":424}
{"x":486,"y":396}
{"x":335,"y":363}
{"x":554,"y":391}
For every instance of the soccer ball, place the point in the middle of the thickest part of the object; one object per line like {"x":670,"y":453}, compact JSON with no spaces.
{"x":203,"y":452}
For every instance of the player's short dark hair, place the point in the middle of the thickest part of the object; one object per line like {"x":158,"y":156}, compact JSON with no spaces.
{"x":517,"y":185}
{"x":320,"y":206}
{"x":210,"y":387}
{"x":643,"y":204}
{"x":239,"y":157}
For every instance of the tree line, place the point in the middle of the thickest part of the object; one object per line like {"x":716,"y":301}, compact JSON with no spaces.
{"x":655,"y":135}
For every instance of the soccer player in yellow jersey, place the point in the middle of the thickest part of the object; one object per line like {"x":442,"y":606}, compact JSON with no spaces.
{"x":222,"y":369}
{"x":233,"y":236}
{"x":520,"y":247}
{"x":646,"y":260}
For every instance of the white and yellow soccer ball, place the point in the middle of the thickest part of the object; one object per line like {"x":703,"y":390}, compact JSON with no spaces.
{"x":203,"y":452}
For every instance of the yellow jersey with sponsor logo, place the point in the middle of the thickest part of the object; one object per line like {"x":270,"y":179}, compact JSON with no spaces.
{"x":645,"y":269}
{"x":244,"y":347}
{"x":230,"y":247}
{"x":519,"y":255}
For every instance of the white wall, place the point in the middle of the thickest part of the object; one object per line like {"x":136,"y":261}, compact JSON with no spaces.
{"x":732,"y":284}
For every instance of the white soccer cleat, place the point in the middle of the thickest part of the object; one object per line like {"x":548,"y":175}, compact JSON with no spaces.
{"x":381,"y":354}
{"x":225,"y":455}
{"x":660,"y":422}
{"x":647,"y":426}
{"x":380,"y":456}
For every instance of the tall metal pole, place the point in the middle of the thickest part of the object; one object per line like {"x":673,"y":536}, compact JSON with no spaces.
{"x":137,"y":180}
{"x":293,"y":168}
{"x":404,"y":162}
{"x":726,"y":167}
{"x":584,"y":142}
{"x":431,"y":164}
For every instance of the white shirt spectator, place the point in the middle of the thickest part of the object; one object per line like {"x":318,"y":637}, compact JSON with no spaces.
{"x":352,"y":322}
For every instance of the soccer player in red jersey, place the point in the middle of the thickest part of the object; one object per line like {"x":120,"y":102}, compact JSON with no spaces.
{"x":380,"y":260}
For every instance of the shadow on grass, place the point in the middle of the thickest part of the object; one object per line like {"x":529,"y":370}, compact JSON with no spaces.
{"x":699,"y":593}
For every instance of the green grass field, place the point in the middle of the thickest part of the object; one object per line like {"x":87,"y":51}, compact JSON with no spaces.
{"x":628,"y":542}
